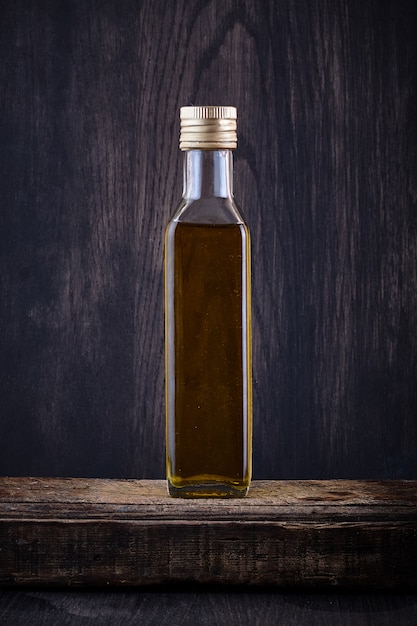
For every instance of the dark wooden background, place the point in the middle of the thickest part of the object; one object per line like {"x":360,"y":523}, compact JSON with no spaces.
{"x":326,"y":172}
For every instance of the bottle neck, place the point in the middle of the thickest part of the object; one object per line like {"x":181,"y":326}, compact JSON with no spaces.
{"x":208,"y":173}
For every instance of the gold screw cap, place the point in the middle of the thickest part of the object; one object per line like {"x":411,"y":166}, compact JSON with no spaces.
{"x":208,"y":128}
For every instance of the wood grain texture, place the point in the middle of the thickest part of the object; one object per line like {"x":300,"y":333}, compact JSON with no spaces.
{"x":80,"y":532}
{"x":205,"y":606}
{"x":326,"y":172}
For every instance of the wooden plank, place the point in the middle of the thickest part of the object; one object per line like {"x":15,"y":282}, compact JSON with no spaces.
{"x":204,"y":606}
{"x":304,"y":533}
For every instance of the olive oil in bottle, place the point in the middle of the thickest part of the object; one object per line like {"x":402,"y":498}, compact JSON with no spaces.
{"x":207,"y":313}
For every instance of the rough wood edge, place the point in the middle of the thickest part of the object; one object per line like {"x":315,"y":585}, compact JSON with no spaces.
{"x":97,"y":490}
{"x":94,"y":532}
{"x":89,"y":498}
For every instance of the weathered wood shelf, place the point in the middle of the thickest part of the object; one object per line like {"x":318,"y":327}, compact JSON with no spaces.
{"x":98,"y":532}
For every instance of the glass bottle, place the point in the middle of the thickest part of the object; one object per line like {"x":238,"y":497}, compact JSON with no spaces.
{"x":208,"y":318}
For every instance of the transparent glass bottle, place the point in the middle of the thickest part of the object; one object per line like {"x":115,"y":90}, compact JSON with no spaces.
{"x":208,"y":318}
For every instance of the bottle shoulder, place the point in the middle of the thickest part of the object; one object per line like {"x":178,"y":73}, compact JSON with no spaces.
{"x":209,"y":210}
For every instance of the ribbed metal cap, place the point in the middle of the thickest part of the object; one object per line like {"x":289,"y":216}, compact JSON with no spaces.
{"x":208,"y":128}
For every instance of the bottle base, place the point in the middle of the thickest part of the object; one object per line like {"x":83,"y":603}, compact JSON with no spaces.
{"x":207,"y":490}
